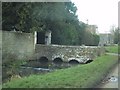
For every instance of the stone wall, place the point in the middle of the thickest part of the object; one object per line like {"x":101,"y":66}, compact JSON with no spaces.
{"x":16,"y":45}
{"x":67,"y":53}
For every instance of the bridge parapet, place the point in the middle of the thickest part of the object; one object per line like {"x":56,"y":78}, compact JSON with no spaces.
{"x":67,"y":53}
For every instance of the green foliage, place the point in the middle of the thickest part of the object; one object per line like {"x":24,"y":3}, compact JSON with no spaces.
{"x":81,"y":76}
{"x":59,"y":17}
{"x":15,"y":14}
{"x":96,"y":39}
{"x":90,"y":39}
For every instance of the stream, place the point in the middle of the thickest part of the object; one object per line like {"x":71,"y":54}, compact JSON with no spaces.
{"x":34,"y":67}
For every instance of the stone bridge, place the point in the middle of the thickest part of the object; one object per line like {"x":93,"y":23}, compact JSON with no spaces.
{"x":56,"y":53}
{"x":22,"y":46}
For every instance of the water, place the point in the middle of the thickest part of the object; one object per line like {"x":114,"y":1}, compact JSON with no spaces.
{"x":36,"y":67}
{"x":26,"y":71}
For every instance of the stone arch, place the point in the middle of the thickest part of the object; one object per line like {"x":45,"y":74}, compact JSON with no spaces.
{"x":58,"y":60}
{"x":73,"y":61}
{"x":89,"y":61}
{"x":43,"y":59}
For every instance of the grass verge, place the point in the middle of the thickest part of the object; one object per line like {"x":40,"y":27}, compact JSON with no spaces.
{"x":81,"y":76}
{"x":112,"y":49}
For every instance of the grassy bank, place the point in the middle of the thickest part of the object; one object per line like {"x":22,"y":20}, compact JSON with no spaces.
{"x":79,"y":76}
{"x":112,"y":49}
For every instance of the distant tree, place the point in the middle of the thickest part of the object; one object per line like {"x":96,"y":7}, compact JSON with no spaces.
{"x":116,"y":35}
{"x":115,"y":31}
{"x":96,"y":39}
{"x":88,"y":38}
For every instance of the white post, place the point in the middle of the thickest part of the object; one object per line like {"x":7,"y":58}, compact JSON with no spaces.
{"x":35,"y":38}
{"x":48,"y":37}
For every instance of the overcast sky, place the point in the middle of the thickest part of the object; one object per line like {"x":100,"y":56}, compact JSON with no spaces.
{"x":103,"y":13}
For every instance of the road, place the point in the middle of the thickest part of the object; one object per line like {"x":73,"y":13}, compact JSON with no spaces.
{"x":111,"y":81}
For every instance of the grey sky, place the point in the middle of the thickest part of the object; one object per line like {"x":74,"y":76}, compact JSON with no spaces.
{"x":103,"y":13}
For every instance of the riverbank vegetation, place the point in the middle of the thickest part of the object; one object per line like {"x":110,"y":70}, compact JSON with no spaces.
{"x":81,"y":76}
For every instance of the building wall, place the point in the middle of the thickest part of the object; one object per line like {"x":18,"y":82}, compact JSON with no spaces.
{"x":106,"y":39}
{"x":91,"y":28}
{"x":17,"y":45}
{"x":48,"y":37}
